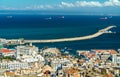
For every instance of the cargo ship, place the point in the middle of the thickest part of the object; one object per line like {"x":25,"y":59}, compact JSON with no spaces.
{"x":104,"y":18}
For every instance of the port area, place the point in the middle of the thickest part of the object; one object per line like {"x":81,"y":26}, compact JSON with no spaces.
{"x":107,"y":30}
{"x":22,"y":41}
{"x":100,"y":32}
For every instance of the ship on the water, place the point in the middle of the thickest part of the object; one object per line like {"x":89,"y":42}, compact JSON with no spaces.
{"x":62,"y":17}
{"x":9,"y":17}
{"x":49,"y":18}
{"x":103,"y":18}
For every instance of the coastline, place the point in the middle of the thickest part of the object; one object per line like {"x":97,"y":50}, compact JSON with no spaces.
{"x":100,"y":32}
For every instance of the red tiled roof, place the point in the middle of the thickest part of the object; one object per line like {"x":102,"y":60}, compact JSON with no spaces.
{"x":89,"y":55}
{"x":82,"y":53}
{"x":110,"y":51}
{"x":109,"y":75}
{"x":5,"y":50}
{"x":81,"y":61}
{"x":76,"y":76}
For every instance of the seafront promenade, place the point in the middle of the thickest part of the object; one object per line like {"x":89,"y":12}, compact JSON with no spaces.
{"x":100,"y":32}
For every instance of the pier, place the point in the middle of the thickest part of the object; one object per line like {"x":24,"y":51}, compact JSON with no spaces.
{"x":100,"y":32}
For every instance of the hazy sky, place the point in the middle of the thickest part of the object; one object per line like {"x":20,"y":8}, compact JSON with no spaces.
{"x":106,"y":6}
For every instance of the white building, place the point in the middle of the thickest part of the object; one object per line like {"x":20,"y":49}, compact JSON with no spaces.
{"x":14,"y":65}
{"x":61,"y":63}
{"x":26,"y":50}
{"x":56,"y":64}
{"x":82,"y":51}
{"x":28,"y":59}
{"x":4,"y":41}
{"x":105,"y":55}
{"x":31,"y":59}
{"x":116,"y":58}
{"x":51,"y":52}
{"x":40,"y":58}
{"x":116,"y":62}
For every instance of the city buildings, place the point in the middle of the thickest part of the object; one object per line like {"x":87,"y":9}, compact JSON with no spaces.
{"x":14,"y":65}
{"x":27,"y":60}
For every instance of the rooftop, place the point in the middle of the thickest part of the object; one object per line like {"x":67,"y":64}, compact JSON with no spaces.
{"x":5,"y":50}
{"x":111,"y":51}
{"x":52,"y":50}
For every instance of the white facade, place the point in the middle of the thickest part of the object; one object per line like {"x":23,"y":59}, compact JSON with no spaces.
{"x":14,"y":65}
{"x":26,"y":50}
{"x":40,"y":58}
{"x":56,"y":63}
{"x":3,"y":40}
{"x":30,"y":59}
{"x":81,"y":51}
{"x":51,"y":51}
{"x":8,"y":54}
{"x":105,"y":55}
{"x":116,"y":58}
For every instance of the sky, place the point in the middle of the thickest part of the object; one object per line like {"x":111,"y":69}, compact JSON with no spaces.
{"x":85,"y":6}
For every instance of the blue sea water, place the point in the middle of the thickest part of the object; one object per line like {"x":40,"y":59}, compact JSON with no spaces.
{"x":41,"y":27}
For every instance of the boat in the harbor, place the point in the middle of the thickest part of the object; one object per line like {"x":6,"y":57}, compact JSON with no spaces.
{"x":9,"y":17}
{"x":104,"y":18}
{"x":49,"y":18}
{"x":62,"y":17}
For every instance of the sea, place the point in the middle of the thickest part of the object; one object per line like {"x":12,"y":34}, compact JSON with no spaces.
{"x":35,"y":26}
